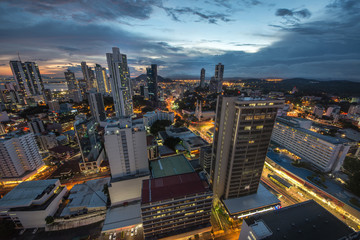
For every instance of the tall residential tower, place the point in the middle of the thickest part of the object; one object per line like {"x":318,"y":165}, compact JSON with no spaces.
{"x":202,"y":78}
{"x":73,"y":88}
{"x":120,"y":83}
{"x":243,"y":128}
{"x":28,"y":78}
{"x":152,"y":79}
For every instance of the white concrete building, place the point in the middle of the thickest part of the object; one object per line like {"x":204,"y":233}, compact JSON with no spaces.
{"x":151,"y":117}
{"x":29,"y":203}
{"x":125,"y":145}
{"x":318,"y":111}
{"x":332,"y":111}
{"x":19,"y":154}
{"x":324,"y":152}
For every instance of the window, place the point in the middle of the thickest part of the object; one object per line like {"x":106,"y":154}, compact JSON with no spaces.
{"x":247,"y":128}
{"x":251,"y":141}
{"x":259,"y":127}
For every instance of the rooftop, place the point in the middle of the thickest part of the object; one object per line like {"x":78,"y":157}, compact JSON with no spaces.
{"x":122,"y":216}
{"x":292,"y":123}
{"x":159,"y":189}
{"x":87,"y":195}
{"x":262,"y":198}
{"x":169,"y":166}
{"x":307,"y":220}
{"x":24,"y":193}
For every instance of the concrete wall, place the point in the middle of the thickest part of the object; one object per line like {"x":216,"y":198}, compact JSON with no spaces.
{"x":36,"y":219}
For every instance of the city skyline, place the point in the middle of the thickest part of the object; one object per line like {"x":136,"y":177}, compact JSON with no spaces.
{"x":252,"y":38}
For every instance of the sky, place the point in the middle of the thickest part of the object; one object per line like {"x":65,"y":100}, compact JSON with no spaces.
{"x":252,"y":38}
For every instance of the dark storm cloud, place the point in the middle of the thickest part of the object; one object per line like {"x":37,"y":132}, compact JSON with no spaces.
{"x":89,"y":10}
{"x":292,"y":16}
{"x":210,"y":17}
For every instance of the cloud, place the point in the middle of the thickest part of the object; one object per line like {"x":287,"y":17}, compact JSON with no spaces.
{"x":88,"y":10}
{"x":210,"y":17}
{"x":291,"y":16}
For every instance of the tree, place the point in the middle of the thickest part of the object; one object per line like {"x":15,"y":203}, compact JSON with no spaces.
{"x":49,"y":219}
{"x":171,"y":142}
{"x":7,"y":228}
{"x":159,"y":125}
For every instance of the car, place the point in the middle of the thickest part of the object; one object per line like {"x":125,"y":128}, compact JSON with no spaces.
{"x":22,"y":231}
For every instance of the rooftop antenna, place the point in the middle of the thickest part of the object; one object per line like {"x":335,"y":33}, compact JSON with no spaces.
{"x":19,"y":56}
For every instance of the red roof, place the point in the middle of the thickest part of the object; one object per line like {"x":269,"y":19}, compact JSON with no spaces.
{"x":164,"y":188}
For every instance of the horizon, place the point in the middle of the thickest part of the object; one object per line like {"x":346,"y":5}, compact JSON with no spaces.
{"x":257,"y":39}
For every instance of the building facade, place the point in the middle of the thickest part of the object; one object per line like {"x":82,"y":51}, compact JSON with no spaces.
{"x":202,"y":78}
{"x":29,"y":203}
{"x":28,"y":78}
{"x":243,"y":128}
{"x":152,"y":82}
{"x":120,"y":83}
{"x":103,"y":85}
{"x":90,"y":144}
{"x":175,"y":203}
{"x":19,"y":154}
{"x":73,"y":88}
{"x":151,"y":117}
{"x":323,"y":152}
{"x":97,"y":108}
{"x":126,"y":148}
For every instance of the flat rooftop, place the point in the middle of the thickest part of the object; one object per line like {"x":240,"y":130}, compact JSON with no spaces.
{"x":262,"y":198}
{"x":24,"y":193}
{"x":87,"y":195}
{"x":159,"y":189}
{"x":122,"y":217}
{"x":306,"y":220}
{"x":169,"y":166}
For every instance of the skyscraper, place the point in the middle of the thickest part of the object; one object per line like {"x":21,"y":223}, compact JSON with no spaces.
{"x":151,"y":79}
{"x":19,"y":153}
{"x":97,"y":108}
{"x":28,"y":78}
{"x":89,"y":76}
{"x":243,"y":128}
{"x":103,"y":85}
{"x":73,"y":88}
{"x":202,"y":78}
{"x":120,"y":83}
{"x":216,"y":82}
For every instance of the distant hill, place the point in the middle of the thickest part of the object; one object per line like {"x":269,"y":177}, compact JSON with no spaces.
{"x":309,"y":86}
{"x":142,"y":77}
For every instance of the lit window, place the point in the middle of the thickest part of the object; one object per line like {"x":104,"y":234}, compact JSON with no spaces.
{"x":260,"y":127}
{"x":251,"y":141}
{"x":247,"y":128}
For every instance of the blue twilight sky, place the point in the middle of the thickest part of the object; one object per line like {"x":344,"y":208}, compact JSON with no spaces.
{"x":252,"y":38}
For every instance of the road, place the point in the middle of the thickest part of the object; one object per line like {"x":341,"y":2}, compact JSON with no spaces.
{"x":301,"y":193}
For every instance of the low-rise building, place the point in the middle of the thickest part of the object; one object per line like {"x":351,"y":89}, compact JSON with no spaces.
{"x":324,"y":152}
{"x":151,"y":117}
{"x":29,"y":203}
{"x":306,"y":220}
{"x":175,"y":204}
{"x":86,"y":198}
